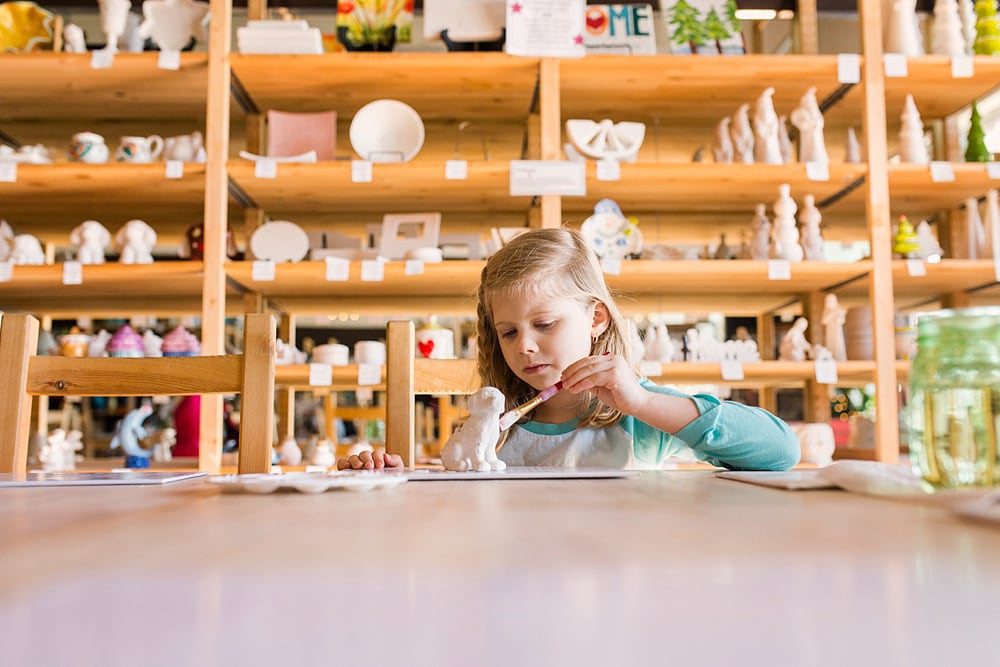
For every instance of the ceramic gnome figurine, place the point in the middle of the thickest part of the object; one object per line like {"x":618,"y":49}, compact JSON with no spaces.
{"x":912,"y":148}
{"x":474,"y":445}
{"x":742,"y":135}
{"x":785,"y":142}
{"x":901,"y":32}
{"x":786,"y":235}
{"x":834,"y":317}
{"x":794,"y":346}
{"x":812,"y":238}
{"x":767,"y":148}
{"x":760,"y":247}
{"x":852,"y":154}
{"x":90,"y":239}
{"x":946,"y":34}
{"x":929,"y":246}
{"x":809,"y":119}
{"x":722,"y":145}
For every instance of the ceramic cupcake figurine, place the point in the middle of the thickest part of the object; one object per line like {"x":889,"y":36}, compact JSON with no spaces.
{"x":125,"y":343}
{"x":180,"y":342}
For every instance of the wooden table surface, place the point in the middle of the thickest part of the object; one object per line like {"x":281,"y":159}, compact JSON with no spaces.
{"x":670,"y":568}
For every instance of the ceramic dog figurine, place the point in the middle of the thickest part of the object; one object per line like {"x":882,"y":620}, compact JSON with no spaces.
{"x":473,"y":445}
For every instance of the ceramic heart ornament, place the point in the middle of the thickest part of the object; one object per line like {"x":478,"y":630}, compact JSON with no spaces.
{"x":172,"y":23}
{"x":426,"y":348}
{"x":606,"y":140}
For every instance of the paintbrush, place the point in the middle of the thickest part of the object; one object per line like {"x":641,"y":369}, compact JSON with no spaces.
{"x":512,"y":416}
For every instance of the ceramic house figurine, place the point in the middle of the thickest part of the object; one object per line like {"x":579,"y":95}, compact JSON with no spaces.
{"x":992,"y":223}
{"x":905,"y":243}
{"x":322,"y":453}
{"x":289,"y":452}
{"x":912,"y":148}
{"x":473,"y":445}
{"x":930,"y":249}
{"x":722,"y":145}
{"x":26,"y":249}
{"x":134,"y":243}
{"x":742,"y":135}
{"x":172,"y":23}
{"x":946,"y":34}
{"x":165,"y":440}
{"x":852,"y":152}
{"x":760,"y":247}
{"x":975,"y":231}
{"x":58,"y":454}
{"x":767,"y":148}
{"x":901,"y":32}
{"x":834,"y":317}
{"x":785,"y":142}
{"x":809,"y":120}
{"x":129,"y":432}
{"x":786,"y":235}
{"x":90,"y":238}
{"x":812,"y":237}
{"x":794,"y":346}
{"x":114,"y":18}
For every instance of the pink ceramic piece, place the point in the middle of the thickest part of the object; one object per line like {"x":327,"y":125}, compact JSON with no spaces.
{"x":126,"y":343}
{"x":291,"y":134}
{"x":180,"y":342}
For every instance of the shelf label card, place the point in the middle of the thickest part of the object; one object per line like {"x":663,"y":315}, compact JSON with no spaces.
{"x":848,"y":68}
{"x":962,"y":67}
{"x":320,"y":375}
{"x":732,"y":370}
{"x":6,"y":272}
{"x":612,"y":266}
{"x":993,"y":169}
{"x":529,"y":178}
{"x":102,"y":59}
{"x":72,"y":273}
{"x":609,"y":170}
{"x":818,"y":171}
{"x":169,"y":60}
{"x":916,"y":268}
{"x":8,"y":172}
{"x":779,"y":269}
{"x":263,"y":270}
{"x":942,"y":172}
{"x":265,"y":167}
{"x":895,"y":65}
{"x":338,"y":269}
{"x":361,"y":171}
{"x":826,"y":371}
{"x":372,"y":270}
{"x":414,"y":267}
{"x":369,"y":374}
{"x":456,"y":170}
{"x":546,"y":28}
{"x":650,"y":369}
{"x":175,"y":169}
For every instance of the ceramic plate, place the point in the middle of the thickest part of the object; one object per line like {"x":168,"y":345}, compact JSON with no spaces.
{"x":387,"y":131}
{"x":309,"y":482}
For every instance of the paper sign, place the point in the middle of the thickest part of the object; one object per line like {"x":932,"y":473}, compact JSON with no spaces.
{"x":456,"y":170}
{"x":625,"y":29}
{"x":372,"y":270}
{"x":993,"y":169}
{"x":169,"y":60}
{"x":102,"y":59}
{"x":895,"y":65}
{"x":553,"y":28}
{"x":609,"y":170}
{"x":6,"y":272}
{"x":72,"y":273}
{"x":8,"y":172}
{"x":962,"y":67}
{"x":942,"y":172}
{"x":369,"y":374}
{"x":361,"y":171}
{"x":175,"y":169}
{"x":848,"y":68}
{"x":732,"y":370}
{"x":265,"y":167}
{"x":338,"y":269}
{"x":529,"y":178}
{"x":263,"y":270}
{"x":650,"y":369}
{"x":779,"y":269}
{"x":916,"y":268}
{"x":612,"y":267}
{"x":414,"y":267}
{"x":818,"y":171}
{"x":320,"y":375}
{"x":826,"y":371}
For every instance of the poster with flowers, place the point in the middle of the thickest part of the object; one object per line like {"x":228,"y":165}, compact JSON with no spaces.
{"x":374,"y":25}
{"x":708,"y":27}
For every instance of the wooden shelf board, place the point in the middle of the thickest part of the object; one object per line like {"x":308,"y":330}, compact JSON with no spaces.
{"x":430,"y":377}
{"x":946,"y":277}
{"x":59,"y":85}
{"x":438,"y":85}
{"x":935,"y":91}
{"x":914,"y":194}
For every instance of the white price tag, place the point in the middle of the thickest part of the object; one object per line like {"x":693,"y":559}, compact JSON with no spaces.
{"x":529,"y":178}
{"x":993,"y":169}
{"x":338,"y":269}
{"x":826,"y":371}
{"x":779,"y":269}
{"x":609,"y":170}
{"x":942,"y":172}
{"x":8,"y":172}
{"x":818,"y":171}
{"x":6,"y":272}
{"x":732,"y":370}
{"x":72,"y":273}
{"x":916,"y":268}
{"x":962,"y":67}
{"x":361,"y":171}
{"x":895,"y":65}
{"x":848,"y":68}
{"x":369,"y":374}
{"x":169,"y":60}
{"x":612,"y":267}
{"x":414,"y":267}
{"x":372,"y":270}
{"x":102,"y":59}
{"x":175,"y":169}
{"x":650,"y":369}
{"x":320,"y":375}
{"x":265,"y":167}
{"x":456,"y":170}
{"x":263,"y":270}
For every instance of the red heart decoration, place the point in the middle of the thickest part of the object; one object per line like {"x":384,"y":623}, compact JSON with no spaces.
{"x":596,"y":20}
{"x":425,"y":347}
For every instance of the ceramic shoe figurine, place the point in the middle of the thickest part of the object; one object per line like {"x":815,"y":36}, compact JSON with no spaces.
{"x":473,"y":445}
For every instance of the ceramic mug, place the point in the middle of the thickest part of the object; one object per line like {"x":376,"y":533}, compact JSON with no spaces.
{"x":139,"y":149}
{"x":88,"y":147}
{"x":184,"y":147}
{"x":369,"y":352}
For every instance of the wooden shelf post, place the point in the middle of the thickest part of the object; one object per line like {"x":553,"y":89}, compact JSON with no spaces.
{"x":286,"y":396}
{"x":551,"y":133}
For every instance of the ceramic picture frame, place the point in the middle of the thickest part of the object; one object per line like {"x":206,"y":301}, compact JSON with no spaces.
{"x":703,"y":27}
{"x":402,"y":232}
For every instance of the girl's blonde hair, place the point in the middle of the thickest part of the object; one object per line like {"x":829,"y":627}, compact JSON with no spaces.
{"x":556,"y":263}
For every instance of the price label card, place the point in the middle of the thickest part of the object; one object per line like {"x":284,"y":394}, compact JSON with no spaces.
{"x":265,"y":167}
{"x":609,"y":170}
{"x":372,"y":270}
{"x":102,"y":59}
{"x":895,"y":65}
{"x":6,"y":272}
{"x":848,"y":68}
{"x":942,"y":172}
{"x":962,"y":67}
{"x":650,"y":369}
{"x":263,"y":270}
{"x":818,"y":171}
{"x":414,"y":267}
{"x":826,"y":371}
{"x":369,"y":374}
{"x":456,"y":170}
{"x":916,"y":268}
{"x":169,"y":60}
{"x":612,"y":267}
{"x":175,"y":169}
{"x":361,"y":171}
{"x":529,"y":178}
{"x":320,"y":375}
{"x":779,"y":269}
{"x":72,"y":273}
{"x":8,"y":172}
{"x":993,"y":169}
{"x":732,"y":370}
{"x":338,"y":269}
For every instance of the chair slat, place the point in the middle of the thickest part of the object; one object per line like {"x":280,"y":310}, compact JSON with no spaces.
{"x":257,"y":400}
{"x":175,"y":376}
{"x":18,"y":340}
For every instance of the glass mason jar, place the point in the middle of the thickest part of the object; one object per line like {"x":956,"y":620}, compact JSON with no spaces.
{"x":955,"y":398}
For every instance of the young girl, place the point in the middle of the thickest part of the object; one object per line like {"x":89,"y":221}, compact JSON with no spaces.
{"x":545,"y":315}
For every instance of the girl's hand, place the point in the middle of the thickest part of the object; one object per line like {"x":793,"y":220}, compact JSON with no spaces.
{"x":610,"y":378}
{"x":370,"y":461}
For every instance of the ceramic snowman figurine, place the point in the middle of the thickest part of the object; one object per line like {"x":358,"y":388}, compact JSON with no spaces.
{"x":809,"y":120}
{"x":812,"y":238}
{"x":722,"y":146}
{"x":947,"y":38}
{"x":786,"y":235}
{"x":473,"y":445}
{"x":742,"y":135}
{"x":901,"y":32}
{"x":794,"y":346}
{"x":852,"y":154}
{"x":912,"y":148}
{"x":929,"y":246}
{"x":172,"y":23}
{"x":767,"y":147}
{"x":114,"y":17}
{"x":322,"y":454}
{"x":833,"y":327}
{"x":784,"y":141}
{"x":760,"y":247}
{"x":134,"y":243}
{"x":90,"y":238}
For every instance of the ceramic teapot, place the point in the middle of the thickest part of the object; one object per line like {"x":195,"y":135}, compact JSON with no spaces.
{"x":139,"y":149}
{"x":184,"y":147}
{"x":88,"y":147}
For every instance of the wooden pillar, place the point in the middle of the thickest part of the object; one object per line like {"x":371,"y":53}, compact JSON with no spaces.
{"x":286,"y":395}
{"x":254,"y":302}
{"x":399,"y":404}
{"x":765,"y":345}
{"x":816,"y":405}
{"x":551,"y":133}
{"x":807,"y":27}
{"x":877,"y":211}
{"x":19,"y":336}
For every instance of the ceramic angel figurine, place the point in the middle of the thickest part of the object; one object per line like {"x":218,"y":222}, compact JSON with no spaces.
{"x":912,"y":148}
{"x":114,"y":17}
{"x":26,"y":249}
{"x":809,"y":120}
{"x":742,"y":135}
{"x":172,"y":23}
{"x":722,"y":145}
{"x":322,"y":453}
{"x":134,"y":242}
{"x":289,"y":452}
{"x":901,"y":32}
{"x":90,"y":239}
{"x":767,"y":148}
{"x":929,"y":246}
{"x":129,"y":432}
{"x":760,"y":247}
{"x":785,"y":142}
{"x":473,"y":445}
{"x":59,"y":452}
{"x":852,"y":153}
{"x":834,"y":317}
{"x":946,"y":34}
{"x":794,"y":346}
{"x":812,"y":237}
{"x":786,"y":234}
{"x":165,"y":440}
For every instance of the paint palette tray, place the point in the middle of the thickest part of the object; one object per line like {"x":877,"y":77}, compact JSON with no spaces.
{"x":309,"y":482}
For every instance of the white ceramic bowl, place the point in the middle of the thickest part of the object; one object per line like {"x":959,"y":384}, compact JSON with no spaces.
{"x":387,"y":131}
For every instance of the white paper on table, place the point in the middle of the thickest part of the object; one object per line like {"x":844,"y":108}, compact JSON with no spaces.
{"x":552,"y":28}
{"x":361,"y":171}
{"x":72,"y":273}
{"x":6,"y":272}
{"x":895,"y":65}
{"x":456,"y":170}
{"x":779,"y":269}
{"x":372,"y":270}
{"x":609,"y":170}
{"x":369,"y":374}
{"x":916,"y":268}
{"x":265,"y":167}
{"x":848,"y":68}
{"x":338,"y":269}
{"x":262,"y":270}
{"x":732,"y":370}
{"x":962,"y":67}
{"x":8,"y":172}
{"x":530,"y":178}
{"x":942,"y":172}
{"x":169,"y":60}
{"x":414,"y":267}
{"x":818,"y":171}
{"x":320,"y":375}
{"x":826,"y":371}
{"x":102,"y":59}
{"x":174,"y":169}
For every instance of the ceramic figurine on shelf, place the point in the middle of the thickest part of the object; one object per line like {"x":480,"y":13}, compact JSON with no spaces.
{"x":987,"y":41}
{"x":834,"y":317}
{"x":152,"y":345}
{"x":808,"y":118}
{"x":289,"y":452}
{"x":976,"y":150}
{"x":946,"y":33}
{"x":812,"y":237}
{"x":785,"y":142}
{"x":722,"y":250}
{"x":134,"y":243}
{"x":767,"y":148}
{"x":98,"y":345}
{"x":901,"y":32}
{"x":26,"y":249}
{"x":129,"y":432}
{"x":786,"y":234}
{"x":473,"y":445}
{"x":760,"y":247}
{"x":742,"y":135}
{"x":172,"y":23}
{"x":322,"y":453}
{"x":722,"y":145}
{"x":58,"y":454}
{"x":905,"y":243}
{"x":992,"y":223}
{"x":73,"y":39}
{"x":930,"y":249}
{"x":816,"y":443}
{"x":794,"y":346}
{"x":663,"y":347}
{"x":165,"y":440}
{"x":114,"y":18}
{"x":975,"y":230}
{"x":90,"y":238}
{"x":852,"y":153}
{"x":912,"y":148}
{"x":609,"y":233}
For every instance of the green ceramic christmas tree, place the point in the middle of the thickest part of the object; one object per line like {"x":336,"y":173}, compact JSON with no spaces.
{"x":905,"y":244}
{"x":987,"y":28}
{"x":977,"y":151}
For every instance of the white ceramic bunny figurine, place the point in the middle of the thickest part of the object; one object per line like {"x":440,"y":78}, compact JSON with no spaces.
{"x":90,"y":239}
{"x":473,"y":445}
{"x":134,"y":242}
